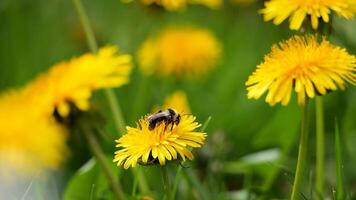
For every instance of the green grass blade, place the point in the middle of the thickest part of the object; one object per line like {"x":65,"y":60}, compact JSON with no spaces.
{"x":340,"y":195}
{"x":320,"y":146}
{"x":206,"y":123}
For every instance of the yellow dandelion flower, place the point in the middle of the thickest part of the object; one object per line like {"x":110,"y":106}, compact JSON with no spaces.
{"x":212,"y":4}
{"x":146,"y":198}
{"x":302,"y":63}
{"x":179,"y":101}
{"x":297,"y":10}
{"x":30,"y":141}
{"x":74,"y":81}
{"x":170,"y":5}
{"x":144,"y":146}
{"x":180,"y":51}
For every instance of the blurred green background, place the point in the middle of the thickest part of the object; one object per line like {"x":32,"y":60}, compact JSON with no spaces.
{"x":251,"y":146}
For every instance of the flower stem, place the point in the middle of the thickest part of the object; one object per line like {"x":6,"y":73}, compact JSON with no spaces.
{"x":340,"y":193}
{"x":176,"y":182}
{"x":319,"y":113}
{"x":110,"y":95}
{"x":100,"y":157}
{"x":116,"y":110}
{"x":134,"y":186}
{"x":166,"y":184}
{"x":142,"y":183}
{"x":302,"y":154}
{"x":86,"y":25}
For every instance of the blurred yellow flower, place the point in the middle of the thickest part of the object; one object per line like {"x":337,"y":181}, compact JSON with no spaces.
{"x":30,"y":140}
{"x":180,"y":51}
{"x":177,"y":5}
{"x":144,"y":146}
{"x":170,"y":5}
{"x":297,"y":10}
{"x":74,"y":81}
{"x":243,"y":2}
{"x":179,"y":101}
{"x":30,"y":137}
{"x":146,"y":198}
{"x":302,"y":63}
{"x":212,"y":4}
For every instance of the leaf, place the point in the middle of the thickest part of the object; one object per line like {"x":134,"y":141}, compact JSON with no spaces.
{"x":260,"y":160}
{"x":205,"y":125}
{"x":88,"y":183}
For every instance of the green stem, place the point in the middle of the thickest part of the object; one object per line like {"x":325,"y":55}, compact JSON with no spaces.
{"x":100,"y":157}
{"x":176,"y":182}
{"x":141,"y":180}
{"x":302,"y":155}
{"x":86,"y":25}
{"x":166,"y":184}
{"x":116,"y":110}
{"x":134,"y":186}
{"x":319,"y":147}
{"x":340,"y":192}
{"x":109,"y":93}
{"x":142,"y":183}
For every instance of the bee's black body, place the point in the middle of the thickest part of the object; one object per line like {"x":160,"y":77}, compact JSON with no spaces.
{"x":169,"y":117}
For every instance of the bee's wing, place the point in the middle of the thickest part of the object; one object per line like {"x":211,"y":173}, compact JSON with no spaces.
{"x":157,"y":115}
{"x":150,"y":117}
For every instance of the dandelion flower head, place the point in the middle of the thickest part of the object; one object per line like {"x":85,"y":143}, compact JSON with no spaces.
{"x":212,"y":4}
{"x":298,"y":10}
{"x":162,"y":144}
{"x":30,"y":141}
{"x":170,"y":5}
{"x":180,"y":51}
{"x":304,"y":64}
{"x":75,"y":80}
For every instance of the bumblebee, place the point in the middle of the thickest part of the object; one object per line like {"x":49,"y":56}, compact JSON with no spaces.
{"x":169,"y":117}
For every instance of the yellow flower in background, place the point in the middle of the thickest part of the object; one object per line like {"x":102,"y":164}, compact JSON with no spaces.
{"x":243,"y":2}
{"x":212,"y":4}
{"x":170,"y":5}
{"x":73,"y":82}
{"x":179,"y":101}
{"x":305,"y":65}
{"x":180,"y":51}
{"x":144,"y":146}
{"x":30,"y":140}
{"x":298,"y":10}
{"x":178,"y":5}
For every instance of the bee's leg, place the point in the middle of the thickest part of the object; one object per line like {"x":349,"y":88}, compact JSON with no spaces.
{"x":166,"y":123}
{"x":151,"y":126}
{"x":172,"y":126}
